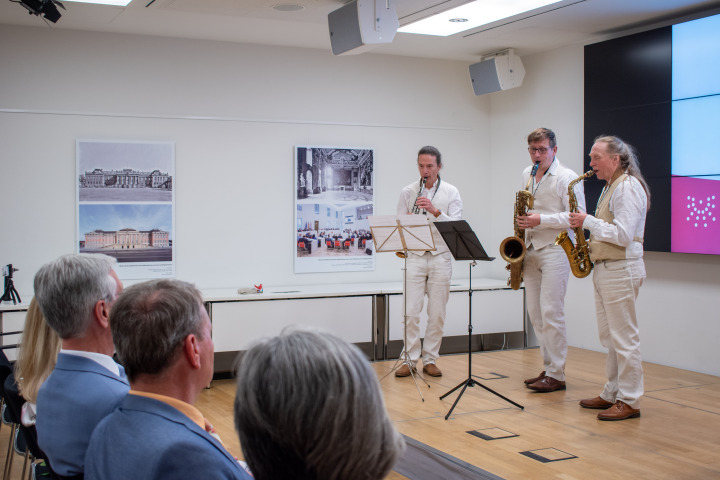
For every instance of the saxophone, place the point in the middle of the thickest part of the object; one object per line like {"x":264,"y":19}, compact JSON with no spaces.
{"x":513,"y":249}
{"x":578,"y":255}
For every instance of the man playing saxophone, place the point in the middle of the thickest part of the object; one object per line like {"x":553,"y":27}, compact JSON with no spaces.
{"x":616,"y":247}
{"x":546,"y":268}
{"x":428,"y":272}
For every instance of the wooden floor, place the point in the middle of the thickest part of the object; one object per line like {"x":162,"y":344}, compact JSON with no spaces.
{"x":677,"y":436}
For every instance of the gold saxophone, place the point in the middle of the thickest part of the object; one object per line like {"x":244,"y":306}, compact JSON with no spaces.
{"x":513,"y":249}
{"x":578,"y":255}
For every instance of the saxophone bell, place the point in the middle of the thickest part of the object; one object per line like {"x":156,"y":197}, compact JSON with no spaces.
{"x":513,"y":249}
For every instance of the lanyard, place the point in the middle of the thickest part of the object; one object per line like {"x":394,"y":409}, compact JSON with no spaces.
{"x":436,"y":187}
{"x":535,"y":187}
{"x":605,"y":189}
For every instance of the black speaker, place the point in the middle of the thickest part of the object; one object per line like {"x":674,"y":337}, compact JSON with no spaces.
{"x":500,"y":72}
{"x":361,"y":25}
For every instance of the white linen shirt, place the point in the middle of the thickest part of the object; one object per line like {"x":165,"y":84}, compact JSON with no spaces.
{"x":551,"y":201}
{"x":628,"y":205}
{"x":447,"y":200}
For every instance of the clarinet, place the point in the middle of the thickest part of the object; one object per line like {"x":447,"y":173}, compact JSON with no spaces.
{"x":416,"y":209}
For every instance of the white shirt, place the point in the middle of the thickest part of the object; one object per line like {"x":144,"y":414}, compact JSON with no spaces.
{"x":628,"y":205}
{"x":551,"y":201}
{"x":100,"y":358}
{"x":447,"y":199}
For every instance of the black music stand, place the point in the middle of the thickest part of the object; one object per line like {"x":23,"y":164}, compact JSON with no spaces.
{"x":464,"y":245}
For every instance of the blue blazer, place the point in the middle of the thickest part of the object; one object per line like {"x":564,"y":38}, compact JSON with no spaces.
{"x":146,"y":439}
{"x":71,"y":402}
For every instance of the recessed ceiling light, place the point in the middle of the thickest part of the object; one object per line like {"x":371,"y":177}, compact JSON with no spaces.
{"x":287,"y":7}
{"x":475,"y":13}
{"x":114,"y":3}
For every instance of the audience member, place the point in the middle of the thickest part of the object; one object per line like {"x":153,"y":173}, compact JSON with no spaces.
{"x":309,"y":407}
{"x":163,"y":337}
{"x":36,"y":358}
{"x":75,"y":294}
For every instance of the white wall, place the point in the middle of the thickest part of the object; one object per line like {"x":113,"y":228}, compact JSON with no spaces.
{"x":234,"y":169}
{"x":234,"y":166}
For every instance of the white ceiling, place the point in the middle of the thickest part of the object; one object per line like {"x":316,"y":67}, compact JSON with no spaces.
{"x":255,"y":21}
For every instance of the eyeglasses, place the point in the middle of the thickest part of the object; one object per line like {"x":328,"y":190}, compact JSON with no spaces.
{"x":541,"y":150}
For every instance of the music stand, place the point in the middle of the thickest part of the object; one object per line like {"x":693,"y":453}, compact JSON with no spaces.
{"x":464,"y":245}
{"x":403,"y":234}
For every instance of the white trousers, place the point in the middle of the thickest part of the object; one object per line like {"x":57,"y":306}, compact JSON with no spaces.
{"x":617,"y":284}
{"x":427,"y":274}
{"x":545,"y":274}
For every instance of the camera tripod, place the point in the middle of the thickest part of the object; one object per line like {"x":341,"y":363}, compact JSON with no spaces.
{"x":10,"y":292}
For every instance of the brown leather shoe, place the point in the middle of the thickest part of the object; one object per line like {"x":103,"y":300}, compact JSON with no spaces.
{"x":596,"y":402}
{"x":535,"y":379}
{"x":403,"y":371}
{"x":619,"y":411}
{"x":547,"y":384}
{"x":432,"y":370}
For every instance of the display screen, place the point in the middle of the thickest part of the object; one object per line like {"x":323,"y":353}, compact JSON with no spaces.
{"x":695,"y":126}
{"x":660,"y":91}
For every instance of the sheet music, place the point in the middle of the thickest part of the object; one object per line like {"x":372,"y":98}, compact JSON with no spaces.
{"x":397,"y":233}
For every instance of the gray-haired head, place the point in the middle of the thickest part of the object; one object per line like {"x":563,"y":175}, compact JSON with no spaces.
{"x":150,"y":321}
{"x":68,"y":288}
{"x":628,"y":159}
{"x":308,"y":406}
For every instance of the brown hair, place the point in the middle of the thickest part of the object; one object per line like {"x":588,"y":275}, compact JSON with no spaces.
{"x":540,"y":134}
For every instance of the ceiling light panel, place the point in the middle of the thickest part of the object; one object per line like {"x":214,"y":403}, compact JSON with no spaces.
{"x":472,"y":15}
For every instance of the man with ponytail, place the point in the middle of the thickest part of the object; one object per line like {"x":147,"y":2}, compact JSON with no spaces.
{"x":616,"y":248}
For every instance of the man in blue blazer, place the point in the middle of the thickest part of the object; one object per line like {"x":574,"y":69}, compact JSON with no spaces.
{"x":75,"y":293}
{"x":163,"y":338}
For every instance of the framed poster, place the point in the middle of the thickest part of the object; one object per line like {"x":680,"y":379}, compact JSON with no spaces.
{"x":333,"y":198}
{"x":126,"y":205}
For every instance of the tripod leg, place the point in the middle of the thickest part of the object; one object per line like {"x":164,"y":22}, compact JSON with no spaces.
{"x":451,"y":391}
{"x":413,"y":374}
{"x":467,"y":382}
{"x":495,"y":393}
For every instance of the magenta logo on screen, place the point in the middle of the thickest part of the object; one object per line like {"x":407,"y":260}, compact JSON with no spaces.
{"x":695,"y":215}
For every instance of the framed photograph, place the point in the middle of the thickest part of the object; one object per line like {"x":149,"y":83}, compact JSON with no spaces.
{"x":126,"y":205}
{"x":333,"y":197}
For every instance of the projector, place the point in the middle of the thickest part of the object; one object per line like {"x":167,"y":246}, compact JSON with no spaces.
{"x":46,"y":8}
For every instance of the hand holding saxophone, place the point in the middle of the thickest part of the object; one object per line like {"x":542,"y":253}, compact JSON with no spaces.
{"x":577,"y":219}
{"x":531,"y":220}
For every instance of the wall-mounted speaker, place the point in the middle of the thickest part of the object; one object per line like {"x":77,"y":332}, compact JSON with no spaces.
{"x":361,"y":25}
{"x":503,"y":71}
